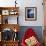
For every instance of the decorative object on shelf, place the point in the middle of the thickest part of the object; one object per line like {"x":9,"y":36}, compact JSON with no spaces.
{"x":15,"y":30}
{"x":30,"y":13}
{"x":5,"y":12}
{"x":15,"y":34}
{"x":13,"y":12}
{"x":6,"y":21}
{"x":7,"y":34}
{"x":15,"y":37}
{"x":15,"y":3}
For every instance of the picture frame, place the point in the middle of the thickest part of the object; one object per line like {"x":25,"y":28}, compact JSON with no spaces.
{"x":5,"y":12}
{"x":30,"y":13}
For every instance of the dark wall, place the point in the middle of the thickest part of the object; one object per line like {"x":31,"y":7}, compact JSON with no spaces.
{"x":37,"y":29}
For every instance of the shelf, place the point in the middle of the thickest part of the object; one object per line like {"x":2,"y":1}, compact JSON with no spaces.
{"x":10,"y":26}
{"x":11,"y":41}
{"x":9,"y":10}
{"x":6,"y":12}
{"x":9,"y":20}
{"x":7,"y":25}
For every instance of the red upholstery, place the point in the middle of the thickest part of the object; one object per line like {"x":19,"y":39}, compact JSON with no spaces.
{"x":29,"y":33}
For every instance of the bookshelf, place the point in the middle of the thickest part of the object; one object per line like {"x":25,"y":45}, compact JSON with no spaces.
{"x":7,"y":17}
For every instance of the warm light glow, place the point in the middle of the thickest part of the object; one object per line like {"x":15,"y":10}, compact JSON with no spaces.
{"x":15,"y":30}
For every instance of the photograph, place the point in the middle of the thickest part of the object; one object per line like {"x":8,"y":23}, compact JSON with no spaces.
{"x":31,"y":13}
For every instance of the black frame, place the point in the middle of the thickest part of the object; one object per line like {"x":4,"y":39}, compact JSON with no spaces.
{"x":30,"y":13}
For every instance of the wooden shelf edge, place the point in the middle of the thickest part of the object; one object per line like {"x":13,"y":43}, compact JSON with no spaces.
{"x":11,"y":26}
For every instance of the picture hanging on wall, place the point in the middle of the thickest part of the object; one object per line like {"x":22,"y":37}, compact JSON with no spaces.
{"x":30,"y":13}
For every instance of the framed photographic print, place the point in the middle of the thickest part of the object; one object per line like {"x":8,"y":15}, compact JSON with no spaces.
{"x":30,"y":13}
{"x":5,"y":12}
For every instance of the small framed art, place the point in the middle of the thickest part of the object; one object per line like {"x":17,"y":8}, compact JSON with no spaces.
{"x":30,"y":13}
{"x":5,"y":12}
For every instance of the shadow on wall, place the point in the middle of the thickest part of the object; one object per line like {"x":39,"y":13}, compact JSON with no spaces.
{"x":37,"y":29}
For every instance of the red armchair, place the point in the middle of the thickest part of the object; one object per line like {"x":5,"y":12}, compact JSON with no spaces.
{"x":28,"y":34}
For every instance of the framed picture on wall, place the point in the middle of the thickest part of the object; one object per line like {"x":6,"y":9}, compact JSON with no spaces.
{"x":30,"y":13}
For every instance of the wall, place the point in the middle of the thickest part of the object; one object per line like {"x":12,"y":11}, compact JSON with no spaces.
{"x":26,"y":3}
{"x":31,"y":3}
